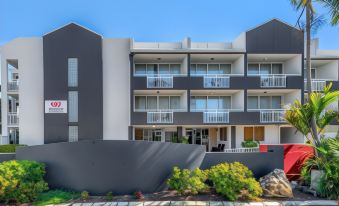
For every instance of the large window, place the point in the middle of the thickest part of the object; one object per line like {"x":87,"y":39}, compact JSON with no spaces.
{"x":72,"y":72}
{"x":264,"y":68}
{"x":264,"y":102}
{"x":153,"y":103}
{"x":313,"y":73}
{"x":254,"y":133}
{"x":202,"y":103}
{"x":73,"y":106}
{"x":156,"y":69}
{"x":202,"y":69}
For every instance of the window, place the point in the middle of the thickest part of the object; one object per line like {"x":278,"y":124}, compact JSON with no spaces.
{"x":140,"y":69}
{"x":225,"y":69}
{"x":140,"y":103}
{"x":276,"y":68}
{"x":253,"y":69}
{"x":212,"y":102}
{"x":254,"y":133}
{"x":201,"y":69}
{"x":313,"y":73}
{"x":223,"y":134}
{"x":175,"y":102}
{"x":164,"y":68}
{"x":276,"y":102}
{"x":252,"y":102}
{"x":171,"y":136}
{"x":73,"y":106}
{"x":73,"y":133}
{"x":152,"y":103}
{"x":143,"y":103}
{"x":175,"y":68}
{"x":72,"y":72}
{"x":225,"y":102}
{"x":265,"y":102}
{"x":152,"y":68}
{"x":164,"y":103}
{"x":213,"y":69}
{"x":202,"y":103}
{"x":265,"y":68}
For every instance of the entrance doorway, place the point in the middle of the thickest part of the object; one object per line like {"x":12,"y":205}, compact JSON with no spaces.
{"x":198,"y":136}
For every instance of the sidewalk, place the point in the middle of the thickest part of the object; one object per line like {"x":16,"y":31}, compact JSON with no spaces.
{"x":205,"y":203}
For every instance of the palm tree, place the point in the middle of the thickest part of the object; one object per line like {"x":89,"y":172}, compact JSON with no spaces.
{"x":301,"y":115}
{"x":333,"y":6}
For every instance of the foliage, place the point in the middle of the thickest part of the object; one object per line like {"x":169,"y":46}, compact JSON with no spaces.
{"x":21,"y":181}
{"x":55,"y":197}
{"x":234,"y":181}
{"x":109,"y":196}
{"x":184,"y":140}
{"x":9,"y":148}
{"x":300,"y":115}
{"x":327,"y":161}
{"x":185,"y":181}
{"x":249,"y":144}
{"x":84,"y":195}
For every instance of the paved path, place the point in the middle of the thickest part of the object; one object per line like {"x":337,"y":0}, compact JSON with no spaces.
{"x":205,"y":203}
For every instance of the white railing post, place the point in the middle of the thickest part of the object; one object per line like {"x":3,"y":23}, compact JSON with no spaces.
{"x":13,"y":85}
{"x":13,"y":119}
{"x":273,"y":80}
{"x":272,"y":115}
{"x":216,"y":81}
{"x":159,"y":81}
{"x":160,"y":117}
{"x":216,"y":117}
{"x":316,"y":84}
{"x":242,"y":150}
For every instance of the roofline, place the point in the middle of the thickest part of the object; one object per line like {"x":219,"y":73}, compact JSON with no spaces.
{"x":72,"y":22}
{"x":272,"y":20}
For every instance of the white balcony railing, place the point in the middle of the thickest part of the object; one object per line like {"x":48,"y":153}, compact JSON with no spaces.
{"x":159,"y":81}
{"x":216,"y":117}
{"x":242,"y":150}
{"x":216,"y":81}
{"x":272,"y":115}
{"x":13,"y":85}
{"x":316,"y":84}
{"x":12,"y":119}
{"x":273,"y":80}
{"x":160,"y":117}
{"x":157,"y":45}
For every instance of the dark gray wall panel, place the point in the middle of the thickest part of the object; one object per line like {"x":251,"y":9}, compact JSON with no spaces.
{"x":7,"y":156}
{"x":335,"y":85}
{"x":67,"y":42}
{"x":275,"y":37}
{"x":122,"y":167}
{"x":261,"y":163}
{"x":294,"y":82}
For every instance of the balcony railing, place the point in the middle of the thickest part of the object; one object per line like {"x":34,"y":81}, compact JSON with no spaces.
{"x":273,"y":80}
{"x":242,"y":150}
{"x":216,"y":117}
{"x":12,"y":119}
{"x":272,"y":115}
{"x":13,"y":86}
{"x":160,"y":117}
{"x":159,"y":81}
{"x":316,"y":84}
{"x":216,"y":81}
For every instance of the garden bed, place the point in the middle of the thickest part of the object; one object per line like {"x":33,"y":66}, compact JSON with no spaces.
{"x":208,"y":196}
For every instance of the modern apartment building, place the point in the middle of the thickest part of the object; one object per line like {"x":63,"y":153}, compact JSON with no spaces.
{"x":73,"y":84}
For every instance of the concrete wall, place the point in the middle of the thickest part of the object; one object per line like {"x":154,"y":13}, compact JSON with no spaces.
{"x":119,"y":166}
{"x":328,"y":71}
{"x":261,"y":163}
{"x":7,"y":157}
{"x":116,"y":89}
{"x":28,"y":52}
{"x":293,"y":65}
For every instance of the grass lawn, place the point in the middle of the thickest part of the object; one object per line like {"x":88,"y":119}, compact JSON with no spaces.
{"x":55,"y":197}
{"x":9,"y":148}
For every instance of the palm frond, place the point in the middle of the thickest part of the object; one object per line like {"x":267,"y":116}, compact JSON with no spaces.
{"x":333,"y":7}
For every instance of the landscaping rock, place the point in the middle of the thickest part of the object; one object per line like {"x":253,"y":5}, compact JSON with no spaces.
{"x":275,"y":184}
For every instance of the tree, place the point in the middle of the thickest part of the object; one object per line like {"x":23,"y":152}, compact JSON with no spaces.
{"x":301,"y":115}
{"x":333,"y":6}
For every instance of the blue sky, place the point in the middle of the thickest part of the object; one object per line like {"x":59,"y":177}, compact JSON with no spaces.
{"x":151,"y":20}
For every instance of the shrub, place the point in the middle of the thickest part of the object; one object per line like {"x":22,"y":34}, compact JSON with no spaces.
{"x":84,"y":195}
{"x":55,"y":197}
{"x":185,"y":181}
{"x":21,"y":181}
{"x":9,"y":148}
{"x":249,"y":144}
{"x":234,"y":181}
{"x":138,"y":195}
{"x":109,"y":196}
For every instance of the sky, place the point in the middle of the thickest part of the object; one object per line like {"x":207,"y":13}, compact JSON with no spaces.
{"x":153,"y":20}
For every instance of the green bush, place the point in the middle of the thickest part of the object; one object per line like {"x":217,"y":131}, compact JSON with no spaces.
{"x":55,"y":197}
{"x":9,"y":148}
{"x":249,"y":144}
{"x":234,"y":181}
{"x":21,"y":181}
{"x":84,"y":195}
{"x":109,"y":196}
{"x":185,"y":181}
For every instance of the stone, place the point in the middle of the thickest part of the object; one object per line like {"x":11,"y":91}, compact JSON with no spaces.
{"x":275,"y":184}
{"x":316,"y":175}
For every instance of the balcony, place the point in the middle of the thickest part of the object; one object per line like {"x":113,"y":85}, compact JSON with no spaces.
{"x":272,"y":116}
{"x":13,"y":86}
{"x":316,"y":84}
{"x":272,"y":80}
{"x":216,"y":117}
{"x":160,"y":81}
{"x":160,"y":117}
{"x":13,"y":119}
{"x":216,"y":81}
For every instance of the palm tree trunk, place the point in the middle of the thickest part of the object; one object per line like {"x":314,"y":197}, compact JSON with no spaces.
{"x":308,"y":68}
